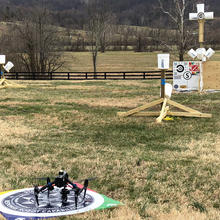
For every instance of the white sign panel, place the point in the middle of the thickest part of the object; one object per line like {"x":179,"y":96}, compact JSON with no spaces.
{"x":186,"y":75}
{"x":2,"y":59}
{"x":8,"y":66}
{"x":163,"y":61}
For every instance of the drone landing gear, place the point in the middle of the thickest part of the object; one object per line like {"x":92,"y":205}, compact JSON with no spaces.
{"x":62,"y":181}
{"x":64,"y":196}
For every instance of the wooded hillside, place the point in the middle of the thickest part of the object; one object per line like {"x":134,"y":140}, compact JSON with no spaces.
{"x":72,"y":13}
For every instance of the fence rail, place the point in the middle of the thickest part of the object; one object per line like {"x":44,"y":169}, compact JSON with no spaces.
{"x":127,"y":75}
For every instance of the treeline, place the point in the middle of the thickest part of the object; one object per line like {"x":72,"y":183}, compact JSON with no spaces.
{"x":124,"y":38}
{"x":73,"y":14}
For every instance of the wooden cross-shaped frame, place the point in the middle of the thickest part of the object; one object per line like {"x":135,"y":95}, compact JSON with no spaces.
{"x":201,"y":16}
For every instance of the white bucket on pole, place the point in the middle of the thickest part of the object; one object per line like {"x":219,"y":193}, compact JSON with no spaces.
{"x":8,"y":66}
{"x":168,"y":90}
{"x":2,"y":59}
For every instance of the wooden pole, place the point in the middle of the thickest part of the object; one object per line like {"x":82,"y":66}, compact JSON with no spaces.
{"x":1,"y":71}
{"x":201,"y":32}
{"x":163,"y":81}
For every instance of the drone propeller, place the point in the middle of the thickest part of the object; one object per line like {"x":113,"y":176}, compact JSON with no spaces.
{"x":42,"y":178}
{"x":89,"y":179}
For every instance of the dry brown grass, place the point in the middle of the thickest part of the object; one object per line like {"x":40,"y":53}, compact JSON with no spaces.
{"x":14,"y":132}
{"x":69,"y":137}
{"x":115,"y":61}
{"x":110,"y":61}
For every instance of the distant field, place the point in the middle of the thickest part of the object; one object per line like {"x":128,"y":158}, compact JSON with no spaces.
{"x":115,"y":61}
{"x":166,"y":172}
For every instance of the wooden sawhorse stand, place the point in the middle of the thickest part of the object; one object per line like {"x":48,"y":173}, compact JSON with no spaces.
{"x":4,"y":83}
{"x":187,"y":112}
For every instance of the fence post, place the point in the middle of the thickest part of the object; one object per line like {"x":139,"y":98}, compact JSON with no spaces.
{"x":124,"y":75}
{"x":144,"y":76}
{"x":51,"y":76}
{"x":68,"y":76}
{"x":86,"y":75}
{"x":33,"y":75}
{"x":104,"y":75}
{"x":16,"y":75}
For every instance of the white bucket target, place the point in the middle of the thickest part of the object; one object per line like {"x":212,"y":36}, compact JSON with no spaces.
{"x":168,"y":90}
{"x":2,"y":59}
{"x":8,"y":66}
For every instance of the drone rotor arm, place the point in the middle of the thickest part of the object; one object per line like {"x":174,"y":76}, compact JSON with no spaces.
{"x":72,"y":184}
{"x":48,"y":186}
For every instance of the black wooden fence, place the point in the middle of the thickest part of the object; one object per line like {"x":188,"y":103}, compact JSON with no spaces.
{"x":128,"y":75}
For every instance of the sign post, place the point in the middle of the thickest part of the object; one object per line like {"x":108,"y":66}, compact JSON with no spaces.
{"x":163,"y":65}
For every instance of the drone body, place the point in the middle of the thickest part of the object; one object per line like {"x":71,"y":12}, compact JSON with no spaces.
{"x":62,"y":181}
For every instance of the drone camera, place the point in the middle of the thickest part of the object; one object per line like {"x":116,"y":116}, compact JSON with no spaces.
{"x":61,"y":180}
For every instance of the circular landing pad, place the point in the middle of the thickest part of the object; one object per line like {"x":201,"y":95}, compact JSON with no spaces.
{"x":21,"y":204}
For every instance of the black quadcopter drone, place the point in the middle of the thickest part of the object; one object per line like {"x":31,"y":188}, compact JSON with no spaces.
{"x":62,"y":181}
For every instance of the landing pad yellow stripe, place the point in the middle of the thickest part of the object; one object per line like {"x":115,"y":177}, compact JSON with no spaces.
{"x":1,"y":193}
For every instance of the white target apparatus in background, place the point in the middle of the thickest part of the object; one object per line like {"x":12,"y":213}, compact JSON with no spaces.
{"x":8,"y":66}
{"x":209,"y":53}
{"x":192,"y":53}
{"x":4,"y":83}
{"x":2,"y":59}
{"x":201,"y":53}
{"x":168,"y":90}
{"x":163,"y":61}
{"x":201,"y":14}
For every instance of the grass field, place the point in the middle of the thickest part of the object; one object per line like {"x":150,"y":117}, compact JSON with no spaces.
{"x":116,"y":61}
{"x":166,"y":171}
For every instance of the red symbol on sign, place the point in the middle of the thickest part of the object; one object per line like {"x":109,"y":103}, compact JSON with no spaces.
{"x":194,"y":68}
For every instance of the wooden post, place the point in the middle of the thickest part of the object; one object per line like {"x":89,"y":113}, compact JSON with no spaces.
{"x":163,"y":81}
{"x":201,"y":32}
{"x":2,"y":72}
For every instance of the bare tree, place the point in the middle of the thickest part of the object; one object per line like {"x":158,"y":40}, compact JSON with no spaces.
{"x":100,"y":20}
{"x":177,"y":10}
{"x":37,"y":47}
